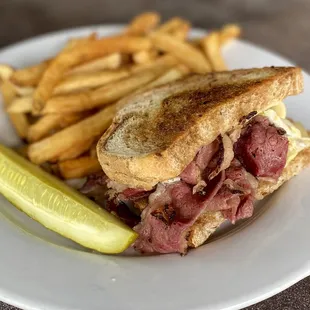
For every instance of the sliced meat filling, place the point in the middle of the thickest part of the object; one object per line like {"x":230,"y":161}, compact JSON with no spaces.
{"x":163,"y":229}
{"x":262,"y":148}
{"x":222,"y":177}
{"x":172,"y":210}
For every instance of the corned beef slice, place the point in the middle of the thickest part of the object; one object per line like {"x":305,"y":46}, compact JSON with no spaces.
{"x":262,"y":148}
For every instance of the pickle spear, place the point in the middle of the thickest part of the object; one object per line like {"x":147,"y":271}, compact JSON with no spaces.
{"x":60,"y":208}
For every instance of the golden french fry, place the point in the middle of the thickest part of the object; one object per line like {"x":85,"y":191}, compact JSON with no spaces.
{"x":8,"y":92}
{"x":68,"y":59}
{"x":48,"y":123}
{"x":18,"y":120}
{"x":80,"y":41}
{"x":68,"y":139}
{"x":78,"y":167}
{"x":82,"y":81}
{"x":20,"y":123}
{"x":182,"y":31}
{"x":25,"y":79}
{"x":229,"y":32}
{"x":29,"y":76}
{"x":75,"y":150}
{"x":212,"y":49}
{"x":174,"y":26}
{"x":143,"y":57}
{"x":102,"y":96}
{"x":183,"y":51}
{"x":166,"y":60}
{"x":23,"y":90}
{"x":5,"y":72}
{"x":109,"y":62}
{"x":171,"y":75}
{"x":143,"y":24}
{"x":20,"y":105}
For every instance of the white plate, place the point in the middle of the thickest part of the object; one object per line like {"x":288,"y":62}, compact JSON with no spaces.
{"x":40,"y":270}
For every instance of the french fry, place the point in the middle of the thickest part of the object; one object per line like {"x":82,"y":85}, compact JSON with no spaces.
{"x":71,"y":138}
{"x":76,"y":150}
{"x":183,"y":51}
{"x":18,"y":120}
{"x":171,"y":75}
{"x":78,"y":167}
{"x":5,"y":72}
{"x":48,"y":123}
{"x":20,"y":105}
{"x":72,"y":43}
{"x":166,"y":60}
{"x":68,"y":59}
{"x":20,"y":123}
{"x":143,"y":57}
{"x":82,"y":81}
{"x":211,"y":46}
{"x":8,"y":92}
{"x":174,"y":26}
{"x":109,"y":62}
{"x":143,"y":24}
{"x":23,"y":90}
{"x":102,"y":96}
{"x":182,"y":31}
{"x":229,"y":32}
{"x":29,"y":76}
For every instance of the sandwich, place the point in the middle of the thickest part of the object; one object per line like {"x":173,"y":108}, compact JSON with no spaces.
{"x":181,"y":159}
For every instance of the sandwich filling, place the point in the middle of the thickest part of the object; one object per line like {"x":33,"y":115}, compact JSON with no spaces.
{"x":222,"y":177}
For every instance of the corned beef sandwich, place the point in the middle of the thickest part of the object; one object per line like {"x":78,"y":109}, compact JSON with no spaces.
{"x":181,"y":159}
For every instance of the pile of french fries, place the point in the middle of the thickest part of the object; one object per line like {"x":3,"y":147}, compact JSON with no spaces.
{"x":60,"y":107}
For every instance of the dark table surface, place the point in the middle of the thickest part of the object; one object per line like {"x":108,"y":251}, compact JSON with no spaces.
{"x":280,"y":25}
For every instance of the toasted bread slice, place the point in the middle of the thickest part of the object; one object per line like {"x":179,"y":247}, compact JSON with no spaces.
{"x":158,"y":133}
{"x":208,"y":222}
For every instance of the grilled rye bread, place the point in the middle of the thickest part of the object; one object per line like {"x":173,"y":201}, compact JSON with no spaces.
{"x":157,"y":133}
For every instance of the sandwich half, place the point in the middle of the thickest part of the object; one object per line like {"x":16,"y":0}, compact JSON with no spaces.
{"x":185,"y":157}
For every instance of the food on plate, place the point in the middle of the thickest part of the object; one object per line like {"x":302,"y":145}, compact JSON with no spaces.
{"x":186,"y":53}
{"x":212,"y":48}
{"x":143,"y":24}
{"x":78,"y":167}
{"x":73,"y":140}
{"x":5,"y":72}
{"x":197,"y":152}
{"x":59,"y":207}
{"x":104,"y":95}
{"x":51,"y":99}
{"x":19,"y":120}
{"x":79,"y":82}
{"x":68,"y":58}
{"x":20,"y":105}
{"x":180,"y":137}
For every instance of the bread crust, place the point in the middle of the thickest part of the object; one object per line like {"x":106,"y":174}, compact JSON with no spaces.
{"x":159,"y":139}
{"x":208,"y":222}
